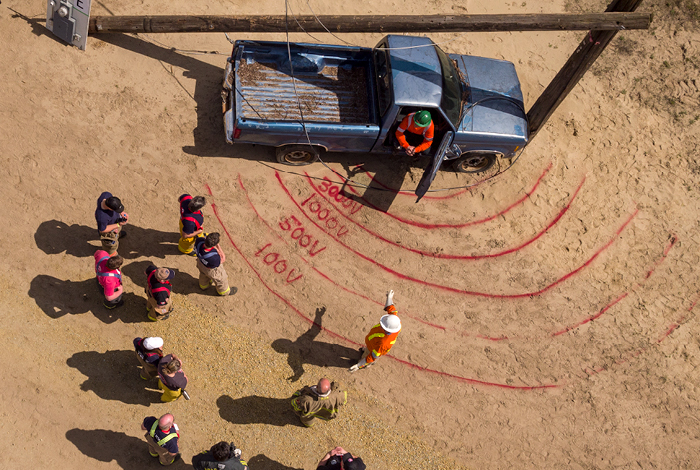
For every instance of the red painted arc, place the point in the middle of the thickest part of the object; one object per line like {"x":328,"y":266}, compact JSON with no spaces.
{"x":590,"y":319}
{"x":440,"y":327}
{"x":413,"y":195}
{"x":656,"y":264}
{"x":274,"y":232}
{"x":327,"y":278}
{"x":339,"y":336}
{"x":467,"y":224}
{"x":430,"y":254}
{"x":463,"y":291}
{"x":670,"y":329}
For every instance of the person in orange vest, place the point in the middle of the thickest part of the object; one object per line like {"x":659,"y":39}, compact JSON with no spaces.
{"x":420,"y":128}
{"x":382,"y":336}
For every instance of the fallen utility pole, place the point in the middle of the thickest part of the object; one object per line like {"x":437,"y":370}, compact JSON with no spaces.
{"x":580,"y":61}
{"x":369,"y":24}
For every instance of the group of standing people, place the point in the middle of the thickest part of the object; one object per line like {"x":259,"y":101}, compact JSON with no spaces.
{"x":111,"y":219}
{"x":322,"y":401}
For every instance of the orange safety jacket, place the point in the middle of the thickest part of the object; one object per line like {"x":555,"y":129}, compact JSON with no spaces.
{"x":408,"y":125}
{"x":378,"y":341}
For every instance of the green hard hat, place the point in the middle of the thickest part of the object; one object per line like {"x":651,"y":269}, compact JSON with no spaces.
{"x":422,"y":119}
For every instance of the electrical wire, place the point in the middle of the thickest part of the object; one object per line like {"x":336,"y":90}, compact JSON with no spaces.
{"x":376,"y":48}
{"x":302,"y":121}
{"x":345,"y":179}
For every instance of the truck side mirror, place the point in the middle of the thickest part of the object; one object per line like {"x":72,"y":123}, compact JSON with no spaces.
{"x":431,"y":171}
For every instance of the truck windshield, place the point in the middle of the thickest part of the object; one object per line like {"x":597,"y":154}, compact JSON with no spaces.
{"x":451,"y":89}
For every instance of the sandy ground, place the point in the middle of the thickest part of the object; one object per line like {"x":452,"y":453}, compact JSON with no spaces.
{"x":548,"y":314}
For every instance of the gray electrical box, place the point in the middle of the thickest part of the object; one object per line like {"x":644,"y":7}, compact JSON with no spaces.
{"x":64,"y":26}
{"x":69,"y":20}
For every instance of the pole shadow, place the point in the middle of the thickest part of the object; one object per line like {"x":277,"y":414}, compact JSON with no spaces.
{"x":54,"y":237}
{"x":262,"y":462}
{"x":306,"y":350}
{"x":130,"y":453}
{"x":257,"y":409}
{"x":183,"y":282}
{"x":114,"y":375}
{"x":56,"y":298}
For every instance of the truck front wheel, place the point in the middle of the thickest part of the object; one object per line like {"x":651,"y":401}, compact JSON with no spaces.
{"x":297,"y":155}
{"x":474,"y":162}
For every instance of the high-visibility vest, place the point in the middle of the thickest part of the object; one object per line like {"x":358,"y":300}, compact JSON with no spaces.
{"x":378,"y":341}
{"x":167,"y":438}
{"x":118,"y":274}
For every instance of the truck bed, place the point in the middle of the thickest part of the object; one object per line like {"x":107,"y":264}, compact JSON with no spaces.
{"x":332,"y":83}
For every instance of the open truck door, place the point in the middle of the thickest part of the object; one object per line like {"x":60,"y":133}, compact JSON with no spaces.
{"x":434,"y":166}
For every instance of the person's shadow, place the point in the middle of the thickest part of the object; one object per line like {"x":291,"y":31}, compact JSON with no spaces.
{"x":262,"y":462}
{"x":130,"y":453}
{"x":183,"y":283}
{"x":114,"y":375}
{"x":256,"y":409}
{"x":54,"y":237}
{"x":306,"y":350}
{"x":56,"y":297}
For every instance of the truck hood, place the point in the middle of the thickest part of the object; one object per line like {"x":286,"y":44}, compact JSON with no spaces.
{"x":495,"y":102}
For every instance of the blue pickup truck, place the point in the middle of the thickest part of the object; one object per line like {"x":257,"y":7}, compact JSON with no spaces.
{"x":313,"y":98}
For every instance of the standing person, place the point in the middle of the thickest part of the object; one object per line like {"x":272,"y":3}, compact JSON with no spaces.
{"x":318,"y":401}
{"x":149,"y":352}
{"x":109,"y":277}
{"x":191,"y":221}
{"x":163,"y":437}
{"x":171,"y":379}
{"x":210,"y":261}
{"x":110,"y":217}
{"x":158,"y":290}
{"x":222,"y":456}
{"x":340,"y":459}
{"x":420,"y":130}
{"x":382,"y":336}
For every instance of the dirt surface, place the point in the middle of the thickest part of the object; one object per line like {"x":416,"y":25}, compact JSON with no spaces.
{"x":549,"y":316}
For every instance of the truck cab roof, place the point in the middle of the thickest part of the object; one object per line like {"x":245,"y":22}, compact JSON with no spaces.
{"x":416,"y":72}
{"x":488,"y":100}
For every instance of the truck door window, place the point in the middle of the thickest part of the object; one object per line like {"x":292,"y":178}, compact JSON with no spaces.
{"x":381,"y":61}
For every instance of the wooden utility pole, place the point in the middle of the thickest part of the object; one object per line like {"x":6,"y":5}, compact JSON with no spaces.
{"x":580,"y":61}
{"x":609,"y":22}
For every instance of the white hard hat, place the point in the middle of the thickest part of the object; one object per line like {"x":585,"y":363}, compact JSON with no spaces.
{"x":153,"y":342}
{"x":390,"y":323}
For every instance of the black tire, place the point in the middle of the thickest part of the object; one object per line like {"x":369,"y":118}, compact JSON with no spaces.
{"x":297,"y":155}
{"x":474,"y":162}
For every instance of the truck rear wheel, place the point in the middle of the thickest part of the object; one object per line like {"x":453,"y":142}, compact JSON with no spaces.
{"x":474,"y":162}
{"x":297,"y":155}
